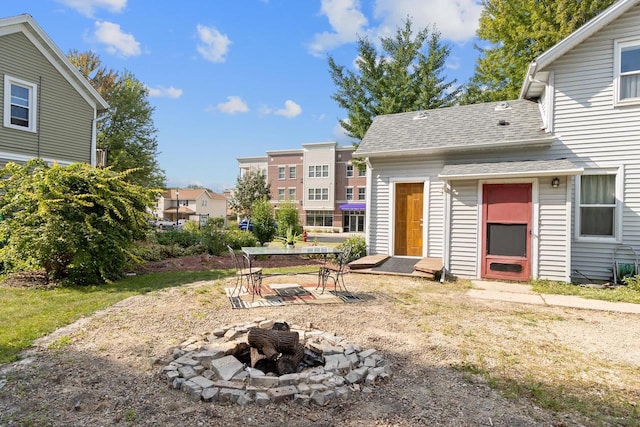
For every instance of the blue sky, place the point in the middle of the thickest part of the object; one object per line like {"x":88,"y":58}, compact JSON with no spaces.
{"x":234,"y":78}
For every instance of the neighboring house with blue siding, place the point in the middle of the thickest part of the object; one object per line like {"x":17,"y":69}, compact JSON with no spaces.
{"x":545,"y":186}
{"x":49,"y":110}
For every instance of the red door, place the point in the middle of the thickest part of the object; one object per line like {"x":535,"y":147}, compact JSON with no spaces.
{"x":506,"y":225}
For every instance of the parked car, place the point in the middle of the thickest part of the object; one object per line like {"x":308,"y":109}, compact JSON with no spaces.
{"x":246,"y":224}
{"x":165,"y":223}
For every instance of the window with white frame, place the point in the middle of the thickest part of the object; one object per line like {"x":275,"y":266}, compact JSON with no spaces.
{"x":318,"y":194}
{"x":19,"y":104}
{"x":597,"y":195}
{"x":349,"y":193}
{"x":292,"y":194}
{"x":280,"y":193}
{"x":319,"y":218}
{"x":362,"y":172}
{"x":349,"y":171}
{"x":627,"y":70}
{"x":280,"y":172}
{"x":204,"y":202}
{"x":362,"y":193}
{"x":292,"y":172}
{"x":318,"y":171}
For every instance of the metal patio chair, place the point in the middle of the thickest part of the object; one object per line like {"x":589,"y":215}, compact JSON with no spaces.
{"x":252,"y":275}
{"x":334,"y":271}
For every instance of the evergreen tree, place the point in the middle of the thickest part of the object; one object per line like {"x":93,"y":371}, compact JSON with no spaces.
{"x":405,"y":76}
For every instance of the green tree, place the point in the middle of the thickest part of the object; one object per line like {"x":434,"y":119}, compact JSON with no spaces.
{"x":518,"y":31}
{"x":262,"y":217}
{"x":405,"y":76}
{"x":127,"y":132}
{"x":287,"y":217}
{"x":75,"y":222}
{"x":250,"y":187}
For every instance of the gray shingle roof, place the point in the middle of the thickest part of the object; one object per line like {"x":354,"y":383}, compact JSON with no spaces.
{"x":456,"y":128}
{"x":516,"y":168}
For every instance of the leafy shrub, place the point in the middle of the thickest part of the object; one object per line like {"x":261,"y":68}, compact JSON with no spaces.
{"x":182,"y":238}
{"x":237,"y":238}
{"x":633,"y":282}
{"x":287,"y":218}
{"x":262,"y":217}
{"x":358,"y":247}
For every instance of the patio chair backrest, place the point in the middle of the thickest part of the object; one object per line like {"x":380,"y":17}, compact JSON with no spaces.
{"x":234,"y":258}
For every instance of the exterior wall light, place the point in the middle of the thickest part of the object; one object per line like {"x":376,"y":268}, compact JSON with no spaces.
{"x":555,"y":182}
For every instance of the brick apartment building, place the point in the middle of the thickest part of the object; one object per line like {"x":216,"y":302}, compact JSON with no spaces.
{"x":320,"y":179}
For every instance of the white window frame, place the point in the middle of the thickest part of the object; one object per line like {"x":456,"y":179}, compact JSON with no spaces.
{"x":281,"y":193}
{"x":348,"y":193}
{"x":292,"y":194}
{"x":617,"y":215}
{"x":281,"y":172}
{"x":318,"y":194}
{"x":32,"y":107}
{"x":292,"y":172}
{"x":617,"y":75}
{"x":349,"y":170}
{"x":318,"y":171}
{"x":362,"y":193}
{"x":362,"y":172}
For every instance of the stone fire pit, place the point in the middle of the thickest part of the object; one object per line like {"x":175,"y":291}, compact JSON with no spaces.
{"x":205,"y":368}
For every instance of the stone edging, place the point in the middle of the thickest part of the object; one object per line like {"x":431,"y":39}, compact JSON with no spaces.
{"x":200,"y":368}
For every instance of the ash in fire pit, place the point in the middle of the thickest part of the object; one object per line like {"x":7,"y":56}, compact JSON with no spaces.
{"x":266,"y":361}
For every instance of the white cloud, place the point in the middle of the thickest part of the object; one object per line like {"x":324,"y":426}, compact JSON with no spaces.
{"x":234,"y":105}
{"x":213,"y":45}
{"x":165,"y":92}
{"x":88,"y":7}
{"x":290,"y":110}
{"x":346,"y":21}
{"x":117,"y":42}
{"x":340,"y":135}
{"x":457,"y":21}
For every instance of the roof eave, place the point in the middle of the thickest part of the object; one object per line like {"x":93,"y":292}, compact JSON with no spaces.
{"x":576,"y":171}
{"x":538,"y":142}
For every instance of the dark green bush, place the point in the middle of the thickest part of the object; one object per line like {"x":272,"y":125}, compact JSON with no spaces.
{"x":358,"y":247}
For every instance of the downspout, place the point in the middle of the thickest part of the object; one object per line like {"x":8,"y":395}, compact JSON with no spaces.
{"x":39,"y":118}
{"x":94,"y":136}
{"x":446,"y":244}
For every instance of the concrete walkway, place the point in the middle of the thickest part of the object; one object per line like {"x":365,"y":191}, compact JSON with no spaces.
{"x":514,"y":292}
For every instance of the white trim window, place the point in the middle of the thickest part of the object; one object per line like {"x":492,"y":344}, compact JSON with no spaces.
{"x":318,"y":194}
{"x":348,"y":193}
{"x":362,"y":193}
{"x":280,"y":193}
{"x":292,"y":194}
{"x":19,"y":104}
{"x":318,"y":171}
{"x":627,"y":71}
{"x":280,"y":172}
{"x":598,"y":198}
{"x":349,"y":172}
{"x":292,"y":172}
{"x":362,"y":172}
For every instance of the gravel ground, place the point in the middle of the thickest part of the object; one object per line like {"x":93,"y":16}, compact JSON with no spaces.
{"x":438,"y":340}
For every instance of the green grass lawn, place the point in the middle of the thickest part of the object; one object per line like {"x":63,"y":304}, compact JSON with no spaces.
{"x":28,"y":314}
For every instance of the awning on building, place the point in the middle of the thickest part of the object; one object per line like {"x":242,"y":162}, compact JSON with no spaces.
{"x":181,"y":209}
{"x":520,"y":169}
{"x":353,"y":207}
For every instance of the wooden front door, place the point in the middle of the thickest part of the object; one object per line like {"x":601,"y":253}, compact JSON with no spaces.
{"x":408,"y":222}
{"x":506,"y":225}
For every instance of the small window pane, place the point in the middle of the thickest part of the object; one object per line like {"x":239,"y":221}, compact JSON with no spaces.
{"x":597,"y":221}
{"x":630,"y":59}
{"x":598,"y":190}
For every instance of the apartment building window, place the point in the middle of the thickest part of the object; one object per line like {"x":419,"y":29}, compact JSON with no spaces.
{"x":348,"y":193}
{"x":19,"y":104}
{"x":319,"y":218}
{"x":362,"y":172}
{"x":318,"y":194}
{"x":292,"y":172}
{"x":318,"y":171}
{"x":292,"y":194}
{"x":280,"y":193}
{"x":280,"y":172}
{"x":349,"y":171}
{"x":362,"y":193}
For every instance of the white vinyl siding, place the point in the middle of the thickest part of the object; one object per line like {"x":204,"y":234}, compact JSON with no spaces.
{"x":554,"y":233}
{"x":464,"y":229}
{"x":597,"y":134}
{"x":64,"y":118}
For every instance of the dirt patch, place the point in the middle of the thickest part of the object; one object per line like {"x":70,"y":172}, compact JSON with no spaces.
{"x":445,"y":348}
